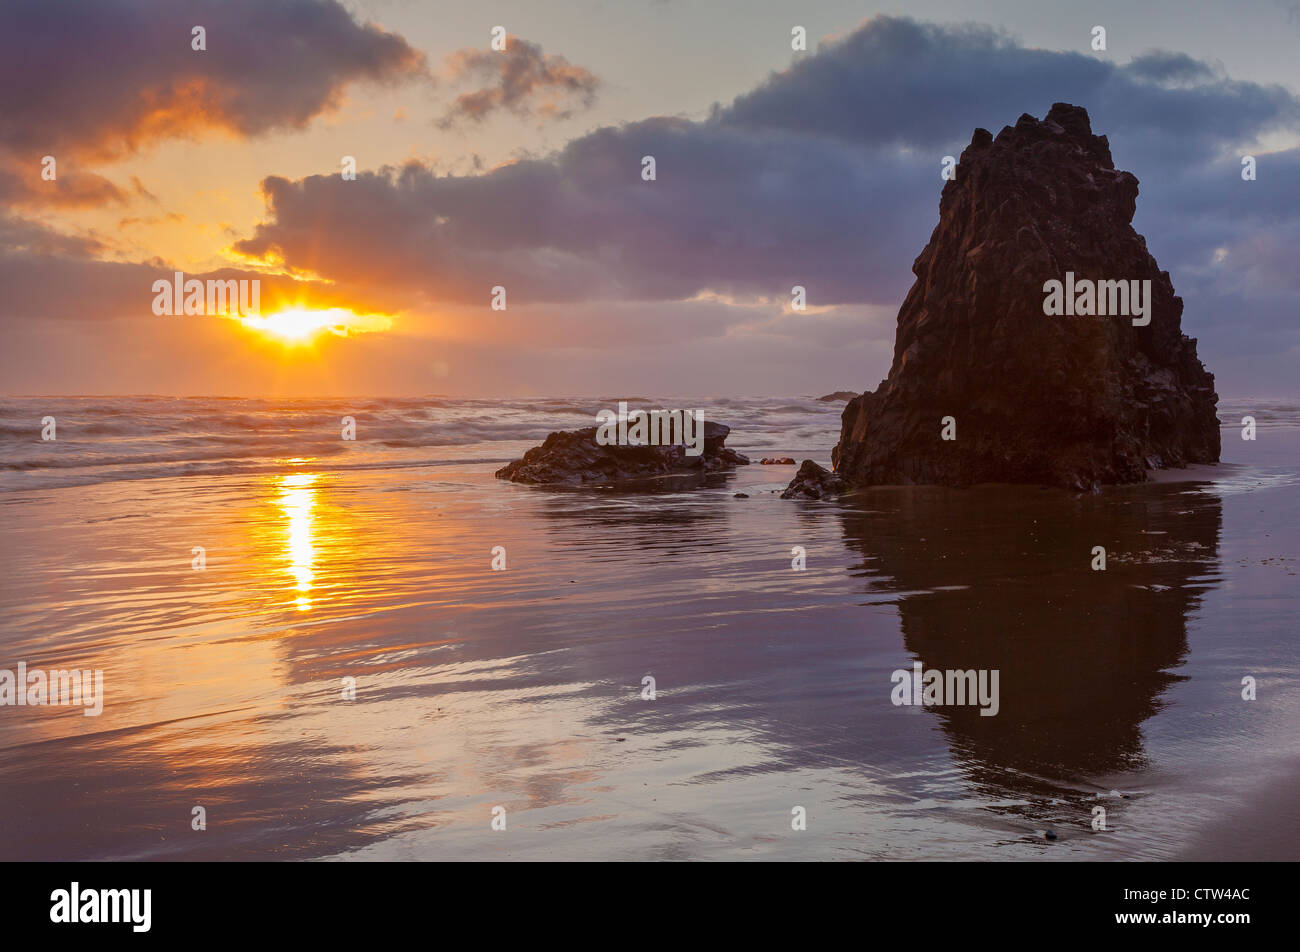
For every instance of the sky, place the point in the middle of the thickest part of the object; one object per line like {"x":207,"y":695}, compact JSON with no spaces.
{"x":521,"y":168}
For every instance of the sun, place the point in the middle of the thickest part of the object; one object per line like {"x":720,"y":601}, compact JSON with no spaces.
{"x":302,"y":325}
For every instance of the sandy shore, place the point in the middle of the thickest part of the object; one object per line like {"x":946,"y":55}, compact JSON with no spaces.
{"x":526,"y":688}
{"x":1267,"y":827}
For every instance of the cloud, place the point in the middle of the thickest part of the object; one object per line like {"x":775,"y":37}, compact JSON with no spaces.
{"x":22,"y":184}
{"x":93,"y":83}
{"x":520,"y":79}
{"x":19,"y":237}
{"x":729,"y":212}
{"x":897,"y":83}
{"x":100,"y":80}
{"x":171,"y":218}
{"x":826,"y":175}
{"x":1164,"y":67}
{"x":47,"y":275}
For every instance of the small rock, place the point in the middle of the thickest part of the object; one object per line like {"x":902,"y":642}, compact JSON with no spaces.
{"x":813,"y":482}
{"x":574,"y":458}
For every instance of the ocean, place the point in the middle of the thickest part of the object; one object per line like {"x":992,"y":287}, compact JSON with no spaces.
{"x":304,"y":644}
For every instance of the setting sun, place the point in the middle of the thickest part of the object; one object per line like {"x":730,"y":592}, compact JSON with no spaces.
{"x":300,"y":325}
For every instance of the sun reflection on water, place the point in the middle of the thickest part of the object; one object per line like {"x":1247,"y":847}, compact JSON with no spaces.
{"x":297,"y":499}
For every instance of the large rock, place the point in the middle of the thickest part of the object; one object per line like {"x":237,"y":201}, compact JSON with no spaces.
{"x":574,"y":458}
{"x":1070,"y":401}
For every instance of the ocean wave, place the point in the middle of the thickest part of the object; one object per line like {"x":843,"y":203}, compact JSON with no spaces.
{"x":140,"y":437}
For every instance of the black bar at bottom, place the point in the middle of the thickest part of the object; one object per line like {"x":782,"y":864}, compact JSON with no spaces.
{"x":336,"y":901}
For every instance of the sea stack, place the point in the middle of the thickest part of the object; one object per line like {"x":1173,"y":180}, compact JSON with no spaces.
{"x":985,"y":385}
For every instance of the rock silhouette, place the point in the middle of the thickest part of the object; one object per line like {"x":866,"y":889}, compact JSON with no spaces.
{"x":1073,"y":401}
{"x":573,"y":457}
{"x":813,"y":482}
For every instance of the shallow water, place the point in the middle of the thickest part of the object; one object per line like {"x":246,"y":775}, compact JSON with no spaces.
{"x":523,"y":688}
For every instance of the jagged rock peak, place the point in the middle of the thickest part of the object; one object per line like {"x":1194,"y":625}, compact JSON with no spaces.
{"x":1025,"y":395}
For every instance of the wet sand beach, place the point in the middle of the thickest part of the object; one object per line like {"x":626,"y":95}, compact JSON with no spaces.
{"x":523,"y":688}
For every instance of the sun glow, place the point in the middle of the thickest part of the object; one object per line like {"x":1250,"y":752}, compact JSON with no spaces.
{"x":300,"y":325}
